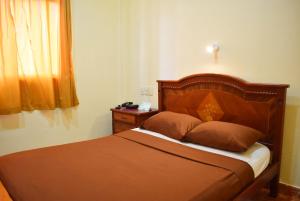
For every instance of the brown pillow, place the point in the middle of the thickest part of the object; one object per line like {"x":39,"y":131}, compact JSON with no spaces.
{"x":223,"y":135}
{"x":171,"y":124}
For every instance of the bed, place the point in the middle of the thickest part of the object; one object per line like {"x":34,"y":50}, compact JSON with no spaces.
{"x":142,"y":165}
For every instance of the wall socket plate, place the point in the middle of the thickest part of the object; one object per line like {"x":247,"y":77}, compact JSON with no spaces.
{"x":146,"y":91}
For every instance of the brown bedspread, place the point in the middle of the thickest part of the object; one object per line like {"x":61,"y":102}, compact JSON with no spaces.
{"x":129,"y":166}
{"x":4,"y":194}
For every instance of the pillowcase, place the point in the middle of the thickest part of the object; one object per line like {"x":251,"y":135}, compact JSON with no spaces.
{"x":171,"y":124}
{"x":223,"y":135}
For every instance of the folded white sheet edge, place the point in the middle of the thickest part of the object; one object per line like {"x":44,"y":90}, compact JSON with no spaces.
{"x":257,"y":156}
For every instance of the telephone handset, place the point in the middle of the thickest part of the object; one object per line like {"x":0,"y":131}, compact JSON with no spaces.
{"x":127,"y":105}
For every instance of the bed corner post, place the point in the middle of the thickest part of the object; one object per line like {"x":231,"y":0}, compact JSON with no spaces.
{"x":274,"y":183}
{"x":160,"y":96}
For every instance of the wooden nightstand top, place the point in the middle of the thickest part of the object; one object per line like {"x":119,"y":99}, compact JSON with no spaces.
{"x":125,"y":119}
{"x":134,"y":111}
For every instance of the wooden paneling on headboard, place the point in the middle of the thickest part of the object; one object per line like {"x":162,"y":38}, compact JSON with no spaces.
{"x":230,"y":99}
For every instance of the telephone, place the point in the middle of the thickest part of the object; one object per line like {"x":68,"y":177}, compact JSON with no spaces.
{"x":127,"y":105}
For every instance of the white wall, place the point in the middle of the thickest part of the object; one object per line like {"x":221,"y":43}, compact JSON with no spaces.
{"x":96,"y":61}
{"x":166,"y":39}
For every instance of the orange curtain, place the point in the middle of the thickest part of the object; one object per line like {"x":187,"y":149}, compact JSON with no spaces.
{"x":36,"y":70}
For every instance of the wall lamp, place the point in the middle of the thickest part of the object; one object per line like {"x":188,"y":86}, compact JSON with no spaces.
{"x":214,"y":49}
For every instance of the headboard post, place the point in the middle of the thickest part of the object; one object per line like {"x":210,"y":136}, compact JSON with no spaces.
{"x":160,"y":94}
{"x":278,"y":141}
{"x":261,"y":106}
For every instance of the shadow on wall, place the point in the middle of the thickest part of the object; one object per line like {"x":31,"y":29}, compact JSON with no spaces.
{"x":16,"y":121}
{"x":97,"y":128}
{"x":69,"y":117}
{"x":290,"y":142}
{"x":13,"y":121}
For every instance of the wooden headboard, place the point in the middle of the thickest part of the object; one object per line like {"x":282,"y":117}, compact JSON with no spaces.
{"x":230,"y":99}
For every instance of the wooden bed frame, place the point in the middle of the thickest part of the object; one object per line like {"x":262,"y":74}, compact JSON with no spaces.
{"x":271,"y":96}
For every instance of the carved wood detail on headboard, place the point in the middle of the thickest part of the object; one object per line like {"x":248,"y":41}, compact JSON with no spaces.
{"x":261,"y":106}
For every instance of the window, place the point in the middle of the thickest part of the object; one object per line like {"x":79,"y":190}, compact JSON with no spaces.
{"x":36,"y":69}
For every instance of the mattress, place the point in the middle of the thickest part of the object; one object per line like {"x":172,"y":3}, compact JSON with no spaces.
{"x":127,"y":166}
{"x":257,"y":156}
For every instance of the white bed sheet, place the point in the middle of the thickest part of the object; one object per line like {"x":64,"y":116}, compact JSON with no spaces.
{"x":257,"y":156}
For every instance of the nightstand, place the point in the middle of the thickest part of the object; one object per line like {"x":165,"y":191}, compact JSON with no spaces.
{"x":125,"y":119}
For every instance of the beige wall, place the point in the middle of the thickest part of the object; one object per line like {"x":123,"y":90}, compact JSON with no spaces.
{"x":260,"y":42}
{"x":96,"y":45}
